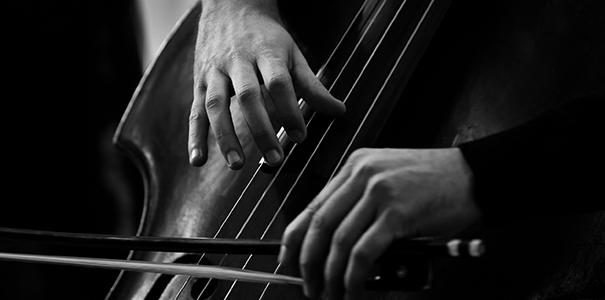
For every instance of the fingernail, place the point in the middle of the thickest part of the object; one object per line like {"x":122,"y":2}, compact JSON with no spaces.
{"x":233,"y":158}
{"x":297,"y":136}
{"x":306,"y":290}
{"x":282,"y":254}
{"x":196,"y":157}
{"x":309,"y":289}
{"x":273,"y":157}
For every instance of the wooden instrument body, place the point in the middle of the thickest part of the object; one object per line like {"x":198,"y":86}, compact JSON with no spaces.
{"x":485,"y":71}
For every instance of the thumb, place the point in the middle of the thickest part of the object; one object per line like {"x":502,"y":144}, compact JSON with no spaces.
{"x":311,"y":89}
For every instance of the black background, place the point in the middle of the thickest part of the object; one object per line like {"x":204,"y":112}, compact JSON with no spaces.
{"x":69,"y":70}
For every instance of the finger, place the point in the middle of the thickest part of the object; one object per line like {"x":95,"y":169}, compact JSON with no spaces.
{"x":346,"y":235}
{"x":316,"y":243}
{"x":217,"y":107}
{"x":276,"y":77}
{"x":198,"y":128}
{"x":312,"y":90}
{"x":293,"y":236}
{"x":247,"y":90}
{"x":296,"y":230}
{"x":366,"y":251}
{"x":270,"y":107}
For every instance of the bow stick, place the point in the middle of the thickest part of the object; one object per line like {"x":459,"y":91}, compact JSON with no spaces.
{"x":156,"y":267}
{"x":431,"y":247}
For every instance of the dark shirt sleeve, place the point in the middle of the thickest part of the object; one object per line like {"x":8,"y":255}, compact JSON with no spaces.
{"x":550,"y":165}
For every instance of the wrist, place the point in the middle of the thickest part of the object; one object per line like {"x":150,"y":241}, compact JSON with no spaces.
{"x":467,"y":183}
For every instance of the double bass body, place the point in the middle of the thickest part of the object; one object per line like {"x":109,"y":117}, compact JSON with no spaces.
{"x":487,"y":68}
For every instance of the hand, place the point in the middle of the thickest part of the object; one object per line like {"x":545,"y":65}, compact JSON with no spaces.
{"x":242,"y":44}
{"x":378,"y":196}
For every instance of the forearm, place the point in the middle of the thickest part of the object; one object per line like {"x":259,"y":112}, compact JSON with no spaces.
{"x":546,"y":166}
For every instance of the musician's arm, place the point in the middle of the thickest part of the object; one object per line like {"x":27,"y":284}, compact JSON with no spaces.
{"x":547,"y":166}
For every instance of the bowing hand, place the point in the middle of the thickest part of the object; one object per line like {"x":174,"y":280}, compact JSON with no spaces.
{"x":378,"y":196}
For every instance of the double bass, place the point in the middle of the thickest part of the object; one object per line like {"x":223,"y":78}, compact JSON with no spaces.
{"x":413,"y":74}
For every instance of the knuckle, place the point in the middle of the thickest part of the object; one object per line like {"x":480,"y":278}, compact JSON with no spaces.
{"x":378,"y":185}
{"x":214,"y":101}
{"x":341,"y":241}
{"x":361,"y":256}
{"x":365,"y":168}
{"x":198,"y":83}
{"x":235,"y":56}
{"x":362,"y":163}
{"x":396,"y":221}
{"x":248,"y":92}
{"x":318,"y":222}
{"x":312,"y":208}
{"x":278,"y":81}
{"x":195,"y":116}
{"x":359,"y":153}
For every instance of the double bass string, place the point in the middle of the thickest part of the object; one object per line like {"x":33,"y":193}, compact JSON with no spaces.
{"x":286,"y":158}
{"x":199,"y":262}
{"x":387,"y":30}
{"x":364,"y":34}
{"x":383,"y":86}
{"x":421,"y":21}
{"x":310,"y":120}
